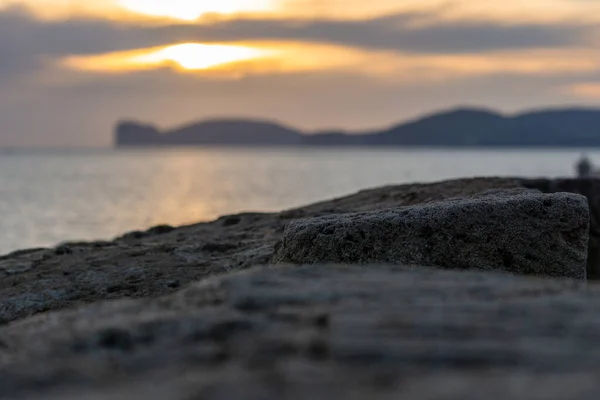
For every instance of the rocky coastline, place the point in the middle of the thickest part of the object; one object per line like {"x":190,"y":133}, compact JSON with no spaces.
{"x":471,"y":288}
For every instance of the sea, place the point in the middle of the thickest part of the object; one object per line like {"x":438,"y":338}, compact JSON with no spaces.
{"x":48,"y":197}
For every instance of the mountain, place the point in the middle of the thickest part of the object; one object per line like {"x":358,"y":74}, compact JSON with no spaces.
{"x":463,"y":127}
{"x":133,"y":134}
{"x":214,"y":132}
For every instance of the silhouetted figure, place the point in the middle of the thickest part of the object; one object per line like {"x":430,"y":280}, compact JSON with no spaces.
{"x":584,"y":167}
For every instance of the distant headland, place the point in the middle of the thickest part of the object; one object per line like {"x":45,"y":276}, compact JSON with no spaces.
{"x":462,"y":127}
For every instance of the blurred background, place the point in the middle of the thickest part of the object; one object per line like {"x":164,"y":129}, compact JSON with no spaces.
{"x":118,"y":115}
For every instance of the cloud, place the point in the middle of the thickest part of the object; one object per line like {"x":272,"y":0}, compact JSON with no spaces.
{"x":589,"y":90}
{"x":393,"y":67}
{"x":27,"y":44}
{"x":396,"y":33}
{"x":426,"y":62}
{"x":19,"y":30}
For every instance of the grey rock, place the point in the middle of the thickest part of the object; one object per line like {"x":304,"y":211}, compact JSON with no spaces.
{"x":517,"y":231}
{"x":99,"y":271}
{"x":63,"y":250}
{"x":590,"y":188}
{"x":310,"y":332}
{"x":318,"y":332}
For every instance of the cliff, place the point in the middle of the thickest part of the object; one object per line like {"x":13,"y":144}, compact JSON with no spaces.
{"x":215,"y":132}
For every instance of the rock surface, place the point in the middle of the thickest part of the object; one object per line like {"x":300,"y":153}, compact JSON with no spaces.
{"x":518,"y":232}
{"x":300,"y":332}
{"x":590,"y":188}
{"x":318,"y":332}
{"x":158,"y":262}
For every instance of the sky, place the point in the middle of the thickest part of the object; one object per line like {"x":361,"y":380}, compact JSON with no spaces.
{"x":70,"y":69}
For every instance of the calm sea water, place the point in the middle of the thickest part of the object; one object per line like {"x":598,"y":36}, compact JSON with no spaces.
{"x":47,"y":197}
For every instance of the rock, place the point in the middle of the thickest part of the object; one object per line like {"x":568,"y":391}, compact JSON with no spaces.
{"x":219,"y":247}
{"x":160,"y":230}
{"x":231,"y":220}
{"x":174,"y":283}
{"x":590,"y":188}
{"x":63,"y":250}
{"x":321,"y":332}
{"x":154,"y":231}
{"x":316,"y":331}
{"x":135,"y":235}
{"x":98,"y":271}
{"x":515,"y":231}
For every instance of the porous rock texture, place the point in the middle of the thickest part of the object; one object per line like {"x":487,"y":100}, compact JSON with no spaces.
{"x":318,"y":332}
{"x":516,"y":231}
{"x":590,"y":188}
{"x":161,"y":260}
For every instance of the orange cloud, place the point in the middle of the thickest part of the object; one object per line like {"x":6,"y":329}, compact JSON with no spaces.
{"x":259,"y":58}
{"x":586,"y":90}
{"x":223,"y":59}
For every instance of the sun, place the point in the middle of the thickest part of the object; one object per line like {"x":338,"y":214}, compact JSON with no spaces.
{"x":183,"y":56}
{"x":192,"y":9}
{"x":197,"y":56}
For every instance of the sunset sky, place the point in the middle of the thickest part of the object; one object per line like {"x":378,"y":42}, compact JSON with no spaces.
{"x":69,"y":69}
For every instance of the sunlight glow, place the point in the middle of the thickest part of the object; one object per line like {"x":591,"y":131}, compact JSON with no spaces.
{"x":243,"y":59}
{"x":224,"y":60}
{"x":194,"y":56}
{"x":421,"y":11}
{"x":186,"y":56}
{"x":190,"y":10}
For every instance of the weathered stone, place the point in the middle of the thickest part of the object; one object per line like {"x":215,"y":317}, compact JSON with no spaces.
{"x":590,"y":188}
{"x":321,"y":332}
{"x":519,"y":232}
{"x":295,"y":332}
{"x":63,"y":250}
{"x":34,"y":281}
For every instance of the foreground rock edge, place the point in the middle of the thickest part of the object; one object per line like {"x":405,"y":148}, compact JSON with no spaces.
{"x":352,"y":329}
